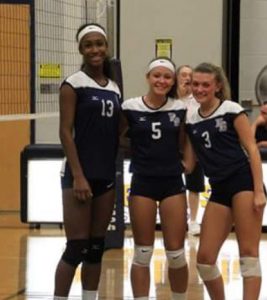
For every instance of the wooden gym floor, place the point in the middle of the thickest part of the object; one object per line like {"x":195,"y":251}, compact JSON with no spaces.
{"x":28,"y":259}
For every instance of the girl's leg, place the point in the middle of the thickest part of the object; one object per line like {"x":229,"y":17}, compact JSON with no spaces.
{"x":193,"y":203}
{"x":216,"y":225}
{"x":173,"y":224}
{"x":143,"y":212}
{"x":77,"y":233}
{"x":248,"y":224}
{"x":102,"y":208}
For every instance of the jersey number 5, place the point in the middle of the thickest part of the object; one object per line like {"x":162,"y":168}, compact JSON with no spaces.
{"x":156,"y":131}
{"x":107,"y":108}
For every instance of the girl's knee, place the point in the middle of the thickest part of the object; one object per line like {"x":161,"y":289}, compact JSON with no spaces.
{"x":250,"y":266}
{"x":205,"y":257}
{"x":249,"y":250}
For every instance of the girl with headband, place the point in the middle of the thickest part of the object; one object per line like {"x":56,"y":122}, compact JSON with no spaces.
{"x":89,"y":119}
{"x":155,"y":128}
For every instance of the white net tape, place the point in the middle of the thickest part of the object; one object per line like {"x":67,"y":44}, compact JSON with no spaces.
{"x":19,"y":117}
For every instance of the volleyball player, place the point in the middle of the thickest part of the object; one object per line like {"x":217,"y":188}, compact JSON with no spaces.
{"x":195,"y":180}
{"x":155,"y":130}
{"x":89,"y":117}
{"x":223,"y":142}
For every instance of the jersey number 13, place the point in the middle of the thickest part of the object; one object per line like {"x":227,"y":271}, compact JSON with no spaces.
{"x":107,"y":108}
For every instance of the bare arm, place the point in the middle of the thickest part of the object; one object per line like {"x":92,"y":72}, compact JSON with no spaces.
{"x":259,"y":121}
{"x":242,"y":126}
{"x":67,"y":100}
{"x":124,"y":140}
{"x":189,"y":158}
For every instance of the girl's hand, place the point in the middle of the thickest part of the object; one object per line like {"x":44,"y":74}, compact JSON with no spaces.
{"x":185,"y":88}
{"x":259,"y":201}
{"x":81,"y":189}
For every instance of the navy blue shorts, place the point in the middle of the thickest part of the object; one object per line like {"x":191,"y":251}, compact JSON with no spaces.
{"x":223,"y":192}
{"x":98,"y":186}
{"x":157,"y":187}
{"x":195,"y":181}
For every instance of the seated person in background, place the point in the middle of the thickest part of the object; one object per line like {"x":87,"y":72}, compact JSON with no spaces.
{"x":259,"y":127}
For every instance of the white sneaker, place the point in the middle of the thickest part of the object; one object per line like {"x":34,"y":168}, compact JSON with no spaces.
{"x":194,"y":228}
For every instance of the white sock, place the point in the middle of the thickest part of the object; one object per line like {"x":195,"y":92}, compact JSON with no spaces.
{"x":60,"y":298}
{"x":89,"y":295}
{"x":178,"y":296}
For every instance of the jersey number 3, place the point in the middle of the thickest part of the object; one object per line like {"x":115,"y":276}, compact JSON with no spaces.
{"x":206,"y":137}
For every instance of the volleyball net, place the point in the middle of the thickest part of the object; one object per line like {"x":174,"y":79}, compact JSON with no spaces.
{"x":35,"y":59}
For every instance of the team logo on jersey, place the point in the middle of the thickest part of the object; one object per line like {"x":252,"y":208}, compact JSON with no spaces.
{"x":95,"y":98}
{"x":142,"y":119}
{"x":173,"y":118}
{"x":221,"y":124}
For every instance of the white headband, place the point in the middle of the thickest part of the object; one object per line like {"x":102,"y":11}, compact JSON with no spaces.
{"x":161,"y":63}
{"x":88,"y":29}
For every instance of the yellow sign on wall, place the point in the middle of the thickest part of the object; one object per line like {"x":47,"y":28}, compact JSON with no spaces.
{"x":164,"y":48}
{"x":49,"y":71}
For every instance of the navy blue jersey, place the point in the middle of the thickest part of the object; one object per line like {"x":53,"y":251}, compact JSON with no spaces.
{"x":261,"y":133}
{"x":154,"y":135}
{"x":96,"y":125}
{"x":216,"y":141}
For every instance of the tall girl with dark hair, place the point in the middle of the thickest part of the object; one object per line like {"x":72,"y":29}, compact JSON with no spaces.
{"x":89,"y":121}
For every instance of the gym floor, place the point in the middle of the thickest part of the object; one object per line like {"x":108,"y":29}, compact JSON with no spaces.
{"x":28,"y":258}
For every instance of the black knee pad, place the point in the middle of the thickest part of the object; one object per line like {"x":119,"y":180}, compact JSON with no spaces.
{"x":95,"y":250}
{"x":75,"y":252}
